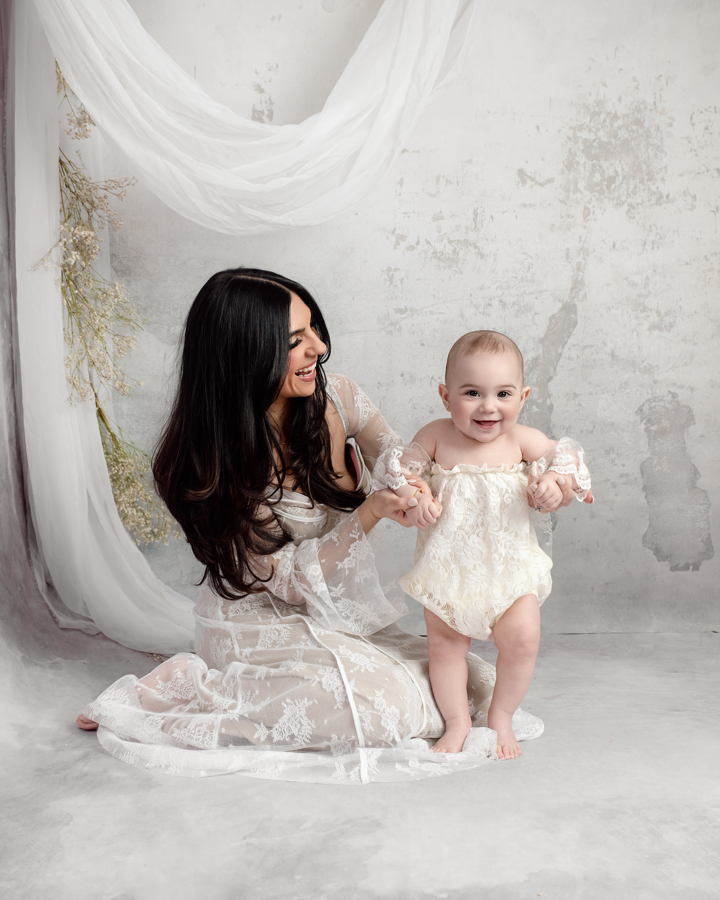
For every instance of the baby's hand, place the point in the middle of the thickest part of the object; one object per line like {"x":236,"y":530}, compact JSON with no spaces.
{"x":546,"y":492}
{"x":425,"y":513}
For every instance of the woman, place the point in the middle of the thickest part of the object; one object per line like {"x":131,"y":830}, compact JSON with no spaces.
{"x":266,"y":464}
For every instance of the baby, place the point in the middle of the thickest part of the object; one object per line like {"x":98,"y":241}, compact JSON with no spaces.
{"x":479,"y":571}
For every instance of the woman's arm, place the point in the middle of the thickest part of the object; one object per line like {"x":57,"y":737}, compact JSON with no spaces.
{"x":364,"y":421}
{"x":386,"y":504}
{"x":376,"y":440}
{"x":335,"y":575}
{"x":399,"y":464}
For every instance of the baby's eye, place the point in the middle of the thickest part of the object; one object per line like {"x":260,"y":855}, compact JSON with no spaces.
{"x":504,"y":394}
{"x":471,"y":393}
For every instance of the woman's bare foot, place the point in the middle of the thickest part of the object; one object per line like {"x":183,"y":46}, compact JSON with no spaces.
{"x":454,"y":738}
{"x":86,"y":724}
{"x":507,"y":745}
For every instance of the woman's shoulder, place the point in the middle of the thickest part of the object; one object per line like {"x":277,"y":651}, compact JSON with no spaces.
{"x":341,"y":383}
{"x":343,"y":392}
{"x":351,"y":402}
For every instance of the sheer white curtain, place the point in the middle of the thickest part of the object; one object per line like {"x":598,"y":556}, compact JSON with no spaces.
{"x":213,"y":167}
{"x":237,"y":176}
{"x":92,"y":575}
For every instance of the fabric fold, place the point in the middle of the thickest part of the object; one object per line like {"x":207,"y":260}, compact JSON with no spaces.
{"x":237,"y":176}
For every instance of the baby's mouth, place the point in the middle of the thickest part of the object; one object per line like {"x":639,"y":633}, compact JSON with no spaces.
{"x":486,"y":423}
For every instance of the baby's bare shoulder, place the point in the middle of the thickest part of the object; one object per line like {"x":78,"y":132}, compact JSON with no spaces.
{"x":431,"y":435}
{"x":435,"y":429}
{"x":531,"y":441}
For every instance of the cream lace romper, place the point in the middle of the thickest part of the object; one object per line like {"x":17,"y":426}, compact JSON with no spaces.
{"x":482,"y":553}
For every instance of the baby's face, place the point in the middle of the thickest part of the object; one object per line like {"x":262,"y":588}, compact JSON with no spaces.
{"x":484,"y":394}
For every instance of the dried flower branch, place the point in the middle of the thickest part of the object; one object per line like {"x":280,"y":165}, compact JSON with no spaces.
{"x":100,"y":327}
{"x":142,"y":514}
{"x":78,"y":118}
{"x":101,"y":322}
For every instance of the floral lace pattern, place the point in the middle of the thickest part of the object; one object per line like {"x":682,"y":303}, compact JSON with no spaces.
{"x":307,"y":681}
{"x":569,"y":459}
{"x":482,"y":553}
{"x":395,"y":477}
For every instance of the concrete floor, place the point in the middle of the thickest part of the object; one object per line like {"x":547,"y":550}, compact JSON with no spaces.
{"x":618,"y":799}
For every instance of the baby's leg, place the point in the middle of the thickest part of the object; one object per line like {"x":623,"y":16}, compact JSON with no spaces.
{"x":517,"y":637}
{"x":448,"y":676}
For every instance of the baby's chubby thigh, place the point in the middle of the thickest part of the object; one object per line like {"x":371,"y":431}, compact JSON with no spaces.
{"x":444,"y":643}
{"x":517,"y":631}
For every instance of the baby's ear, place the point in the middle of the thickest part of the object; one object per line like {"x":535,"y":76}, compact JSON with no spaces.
{"x":444,"y":396}
{"x":524,"y":394}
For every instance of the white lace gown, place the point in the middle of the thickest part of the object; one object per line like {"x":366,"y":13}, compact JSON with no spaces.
{"x":309,"y":680}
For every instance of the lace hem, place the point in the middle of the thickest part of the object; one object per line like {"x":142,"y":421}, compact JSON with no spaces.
{"x":412,"y":760}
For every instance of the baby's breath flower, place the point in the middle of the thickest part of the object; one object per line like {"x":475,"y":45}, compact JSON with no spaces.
{"x":78,"y":118}
{"x":100,"y":326}
{"x":141,"y":512}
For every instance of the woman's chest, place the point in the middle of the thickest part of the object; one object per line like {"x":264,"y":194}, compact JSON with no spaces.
{"x":341,"y":454}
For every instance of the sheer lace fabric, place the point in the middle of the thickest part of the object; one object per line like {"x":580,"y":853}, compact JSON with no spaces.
{"x":309,"y":680}
{"x":568,"y":458}
{"x":482,"y":553}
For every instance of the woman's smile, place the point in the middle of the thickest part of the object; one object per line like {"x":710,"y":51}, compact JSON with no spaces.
{"x":308,"y":373}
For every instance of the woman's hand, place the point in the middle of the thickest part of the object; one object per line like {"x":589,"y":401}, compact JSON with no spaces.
{"x":387,"y":505}
{"x":546,"y":492}
{"x":547,"y":500}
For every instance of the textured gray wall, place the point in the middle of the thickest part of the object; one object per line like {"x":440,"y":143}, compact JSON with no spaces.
{"x":565,"y":191}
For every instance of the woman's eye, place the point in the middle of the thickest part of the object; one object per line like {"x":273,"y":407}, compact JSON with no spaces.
{"x":295,"y":343}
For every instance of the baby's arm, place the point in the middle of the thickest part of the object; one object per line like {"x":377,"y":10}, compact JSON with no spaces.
{"x":556,"y":467}
{"x":423,"y":511}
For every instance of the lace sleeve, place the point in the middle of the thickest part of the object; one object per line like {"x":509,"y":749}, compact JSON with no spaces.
{"x":388,"y":471}
{"x":336,"y":577}
{"x":363,"y":420}
{"x":568,"y":459}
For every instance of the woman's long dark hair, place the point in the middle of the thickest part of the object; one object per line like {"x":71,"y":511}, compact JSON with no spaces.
{"x":219,"y":452}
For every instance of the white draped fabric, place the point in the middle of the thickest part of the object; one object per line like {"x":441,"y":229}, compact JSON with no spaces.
{"x":219,"y":170}
{"x":214,"y":167}
{"x":237,"y":176}
{"x":94,"y":577}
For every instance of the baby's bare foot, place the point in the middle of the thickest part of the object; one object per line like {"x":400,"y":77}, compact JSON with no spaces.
{"x":507,"y":745}
{"x":454,"y":738}
{"x":86,"y":724}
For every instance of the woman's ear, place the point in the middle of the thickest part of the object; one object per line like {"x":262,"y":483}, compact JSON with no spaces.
{"x":445,"y":396}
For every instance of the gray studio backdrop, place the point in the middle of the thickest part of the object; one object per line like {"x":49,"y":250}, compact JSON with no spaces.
{"x":565,"y":191}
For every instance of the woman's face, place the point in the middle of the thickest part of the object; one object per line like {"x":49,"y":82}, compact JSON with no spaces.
{"x":305,"y":348}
